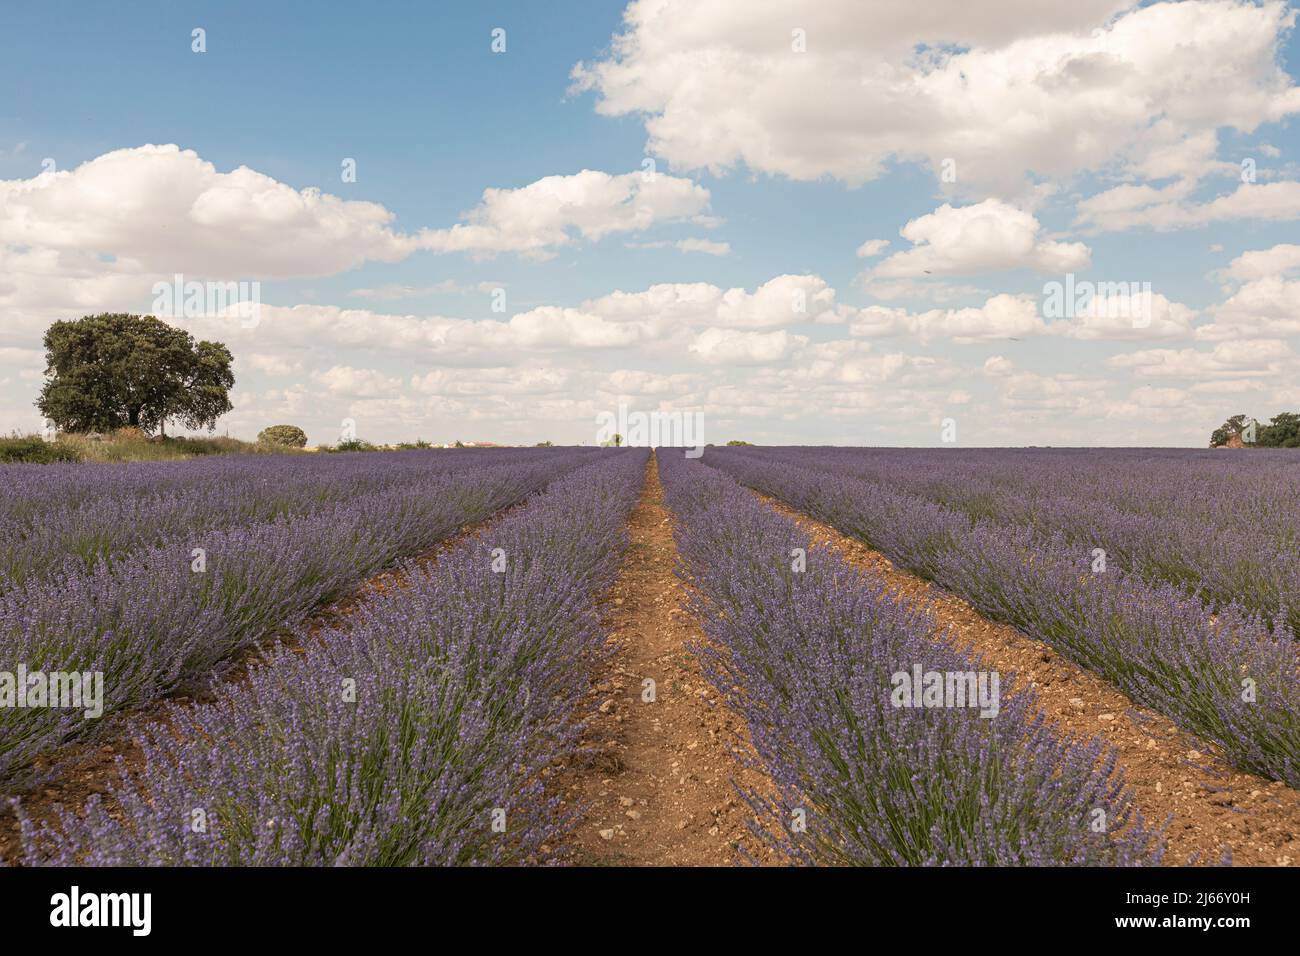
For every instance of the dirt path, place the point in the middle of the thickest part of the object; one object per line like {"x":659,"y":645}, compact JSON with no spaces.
{"x":85,"y":769}
{"x":1214,"y":807}
{"x":659,"y":784}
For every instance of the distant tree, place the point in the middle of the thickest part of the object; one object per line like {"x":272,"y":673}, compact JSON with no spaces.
{"x":459,"y":443}
{"x":114,"y":370}
{"x":290,"y":436}
{"x":543,"y":444}
{"x":1282,"y":432}
{"x":1224,"y":433}
{"x":737,"y":441}
{"x":618,"y":440}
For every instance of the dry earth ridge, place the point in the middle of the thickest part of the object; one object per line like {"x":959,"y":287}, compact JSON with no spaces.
{"x":659,"y":785}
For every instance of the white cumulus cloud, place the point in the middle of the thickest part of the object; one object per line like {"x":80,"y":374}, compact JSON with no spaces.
{"x":538,"y":219}
{"x":1004,"y":89}
{"x":989,"y":236}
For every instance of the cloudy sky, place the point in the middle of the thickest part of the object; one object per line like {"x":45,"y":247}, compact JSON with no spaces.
{"x":812,"y":222}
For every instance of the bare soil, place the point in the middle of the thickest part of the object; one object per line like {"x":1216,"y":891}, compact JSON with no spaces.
{"x":1210,"y":806}
{"x":659,"y":781}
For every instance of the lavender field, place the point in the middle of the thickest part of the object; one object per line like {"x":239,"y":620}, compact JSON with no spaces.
{"x":428,"y":658}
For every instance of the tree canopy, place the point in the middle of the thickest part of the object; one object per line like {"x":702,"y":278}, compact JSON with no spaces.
{"x":291,"y":436}
{"x":1282,"y":432}
{"x":116,"y":370}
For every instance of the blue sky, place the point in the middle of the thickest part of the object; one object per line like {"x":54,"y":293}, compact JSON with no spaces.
{"x":1085,"y":141}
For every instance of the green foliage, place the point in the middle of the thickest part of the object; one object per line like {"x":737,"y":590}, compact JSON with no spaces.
{"x":123,"y":445}
{"x":737,"y":441}
{"x":35,"y":450}
{"x":108,"y":371}
{"x":1282,"y":432}
{"x":412,"y":445}
{"x":290,"y":436}
{"x":544,"y":444}
{"x":352,"y":444}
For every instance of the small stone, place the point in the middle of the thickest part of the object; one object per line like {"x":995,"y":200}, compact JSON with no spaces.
{"x":605,"y":707}
{"x":1105,"y":716}
{"x":625,"y":801}
{"x":1193,"y":755}
{"x":607,"y":834}
{"x":1076,"y":703}
{"x":633,"y":814}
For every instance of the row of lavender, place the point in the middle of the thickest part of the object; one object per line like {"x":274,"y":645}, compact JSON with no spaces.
{"x":1219,"y":524}
{"x":57,"y":485}
{"x":1227,"y":676}
{"x":809,"y":652}
{"x":169,"y":616}
{"x":416,"y":732}
{"x":68,"y":518}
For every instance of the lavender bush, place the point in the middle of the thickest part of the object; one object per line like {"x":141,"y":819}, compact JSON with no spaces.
{"x":806,"y":657}
{"x":416,"y":732}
